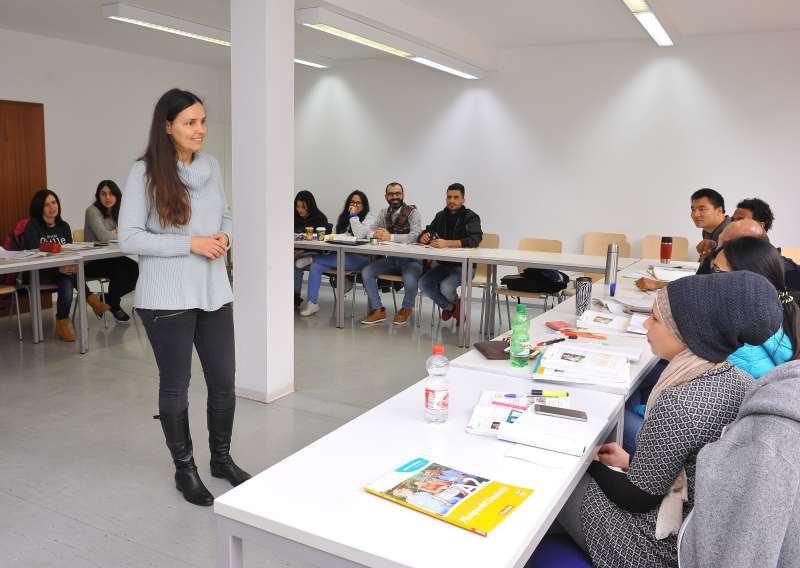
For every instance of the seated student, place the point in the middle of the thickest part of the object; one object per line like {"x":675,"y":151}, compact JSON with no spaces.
{"x":306,"y":214}
{"x":46,"y":225}
{"x":453,"y":226}
{"x":755,"y":209}
{"x":757,"y":255}
{"x":629,"y":518}
{"x":399,"y":223}
{"x":747,"y":496}
{"x":100,"y":224}
{"x":708,"y":214}
{"x":354,"y":219}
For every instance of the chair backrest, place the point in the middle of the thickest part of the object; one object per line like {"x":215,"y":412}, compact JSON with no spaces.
{"x":793,"y":253}
{"x":651,"y":247}
{"x":596,"y":244}
{"x":77,"y":235}
{"x":489,"y":241}
{"x":539,"y":245}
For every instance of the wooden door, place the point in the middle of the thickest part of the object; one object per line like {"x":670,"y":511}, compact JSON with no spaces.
{"x":23,"y":170}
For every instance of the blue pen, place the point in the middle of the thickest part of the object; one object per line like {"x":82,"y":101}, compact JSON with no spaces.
{"x":613,"y":287}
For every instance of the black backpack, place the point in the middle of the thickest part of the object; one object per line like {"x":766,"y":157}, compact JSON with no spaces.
{"x":541,"y":280}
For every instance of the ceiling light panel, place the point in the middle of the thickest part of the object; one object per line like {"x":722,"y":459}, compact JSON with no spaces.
{"x":161,"y":22}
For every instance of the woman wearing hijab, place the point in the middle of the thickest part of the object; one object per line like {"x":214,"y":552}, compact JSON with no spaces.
{"x":629,"y":516}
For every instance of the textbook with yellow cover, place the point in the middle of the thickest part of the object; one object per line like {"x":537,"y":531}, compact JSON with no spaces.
{"x":465,"y":500}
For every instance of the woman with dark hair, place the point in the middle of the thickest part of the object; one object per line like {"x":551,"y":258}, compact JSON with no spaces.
{"x":306,"y":214}
{"x":354,"y":219}
{"x":176,"y":218}
{"x":46,"y":225}
{"x":759,"y":256}
{"x":100,"y":224}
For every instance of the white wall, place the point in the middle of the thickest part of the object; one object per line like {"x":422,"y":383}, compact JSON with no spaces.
{"x":98,"y":104}
{"x":566,"y":139}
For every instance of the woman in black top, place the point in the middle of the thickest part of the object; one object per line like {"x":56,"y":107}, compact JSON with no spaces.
{"x":306,"y":214}
{"x":46,"y":225}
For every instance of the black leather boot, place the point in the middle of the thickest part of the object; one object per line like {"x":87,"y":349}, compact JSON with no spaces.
{"x":179,"y":442}
{"x":220,"y":426}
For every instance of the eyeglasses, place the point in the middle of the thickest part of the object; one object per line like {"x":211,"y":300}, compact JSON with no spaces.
{"x":355,"y":203}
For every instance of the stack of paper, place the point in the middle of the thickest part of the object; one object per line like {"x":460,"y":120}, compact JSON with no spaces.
{"x":603,"y":322}
{"x":571,"y":363}
{"x":669,"y":274}
{"x":550,"y":433}
{"x":637,"y":324}
{"x":77,"y":246}
{"x":496,"y":407}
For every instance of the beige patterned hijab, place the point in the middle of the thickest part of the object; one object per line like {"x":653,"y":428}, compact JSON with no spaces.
{"x":683,"y":368}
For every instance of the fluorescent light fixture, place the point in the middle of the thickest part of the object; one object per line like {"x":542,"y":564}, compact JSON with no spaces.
{"x":310,"y":63}
{"x":161,"y":22}
{"x":649,"y":21}
{"x":444,"y":68}
{"x":359,"y":39}
{"x":369,"y":35}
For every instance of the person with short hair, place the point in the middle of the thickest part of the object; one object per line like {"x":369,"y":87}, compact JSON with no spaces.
{"x":708,"y":214}
{"x":398,"y":223}
{"x":46,"y":226}
{"x":100,"y":225}
{"x":755,"y":209}
{"x":627,"y":510}
{"x":455,"y":226}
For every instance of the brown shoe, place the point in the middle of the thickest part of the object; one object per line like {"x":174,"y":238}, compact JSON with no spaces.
{"x":401,"y":318}
{"x":375,"y":316}
{"x":63,"y":332}
{"x":98,"y":307}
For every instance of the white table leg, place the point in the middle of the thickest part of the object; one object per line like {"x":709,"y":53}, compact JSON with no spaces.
{"x":229,"y":549}
{"x":340,"y":287}
{"x":35,"y":307}
{"x":83,"y":326}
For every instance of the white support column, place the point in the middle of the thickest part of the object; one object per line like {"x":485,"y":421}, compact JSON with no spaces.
{"x":262,"y":131}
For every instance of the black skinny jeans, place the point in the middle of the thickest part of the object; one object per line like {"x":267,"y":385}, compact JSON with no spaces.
{"x":122,"y":273}
{"x":172,"y":334}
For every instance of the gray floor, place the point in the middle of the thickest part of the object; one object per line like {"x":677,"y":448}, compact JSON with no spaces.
{"x":85,"y":479}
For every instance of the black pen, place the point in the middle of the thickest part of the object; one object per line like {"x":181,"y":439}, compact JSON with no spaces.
{"x":543,"y":343}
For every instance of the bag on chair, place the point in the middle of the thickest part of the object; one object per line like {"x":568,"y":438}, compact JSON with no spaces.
{"x":540,"y":280}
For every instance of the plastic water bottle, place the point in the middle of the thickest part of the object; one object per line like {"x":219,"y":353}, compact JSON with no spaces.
{"x":437,"y":387}
{"x":520,"y":342}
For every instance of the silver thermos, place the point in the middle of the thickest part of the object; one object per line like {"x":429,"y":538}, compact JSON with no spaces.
{"x":612,"y":262}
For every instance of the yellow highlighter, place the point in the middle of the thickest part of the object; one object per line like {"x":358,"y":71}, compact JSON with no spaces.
{"x":549,"y":393}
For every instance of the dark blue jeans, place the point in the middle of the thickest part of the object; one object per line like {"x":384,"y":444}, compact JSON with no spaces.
{"x":633,"y":420}
{"x":66,"y":284}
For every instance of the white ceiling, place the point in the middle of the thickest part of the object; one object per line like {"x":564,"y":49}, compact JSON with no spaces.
{"x":496,"y":23}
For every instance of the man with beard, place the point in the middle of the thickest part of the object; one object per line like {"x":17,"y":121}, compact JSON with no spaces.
{"x":399,"y":223}
{"x":454,"y":226}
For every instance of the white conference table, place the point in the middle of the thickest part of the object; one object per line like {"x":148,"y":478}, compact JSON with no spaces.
{"x":34,"y":265}
{"x":64,"y":258}
{"x":312,"y":508}
{"x":465,"y":257}
{"x":567,"y":262}
{"x":565,"y":311}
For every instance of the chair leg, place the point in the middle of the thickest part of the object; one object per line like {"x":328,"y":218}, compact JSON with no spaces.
{"x":508,"y":311}
{"x":394,"y":297}
{"x":418,"y":315}
{"x":483,"y":310}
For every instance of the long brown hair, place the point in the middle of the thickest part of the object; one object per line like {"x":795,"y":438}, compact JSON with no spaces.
{"x":167,"y":193}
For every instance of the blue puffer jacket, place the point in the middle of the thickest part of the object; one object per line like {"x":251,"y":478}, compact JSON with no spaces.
{"x":759,"y":359}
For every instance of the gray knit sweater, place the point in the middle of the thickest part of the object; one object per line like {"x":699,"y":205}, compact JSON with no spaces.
{"x":170,"y":276}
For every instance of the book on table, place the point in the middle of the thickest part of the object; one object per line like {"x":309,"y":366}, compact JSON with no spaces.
{"x":550,"y":433}
{"x":603,"y":322}
{"x":572,"y":361}
{"x":498,"y":407}
{"x":466,"y":500}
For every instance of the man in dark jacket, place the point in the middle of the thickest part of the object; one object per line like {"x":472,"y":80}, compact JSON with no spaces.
{"x":455,"y":226}
{"x":747,"y":490}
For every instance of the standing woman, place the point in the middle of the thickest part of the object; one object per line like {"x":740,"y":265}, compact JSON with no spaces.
{"x":100,"y":224}
{"x":175,"y":217}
